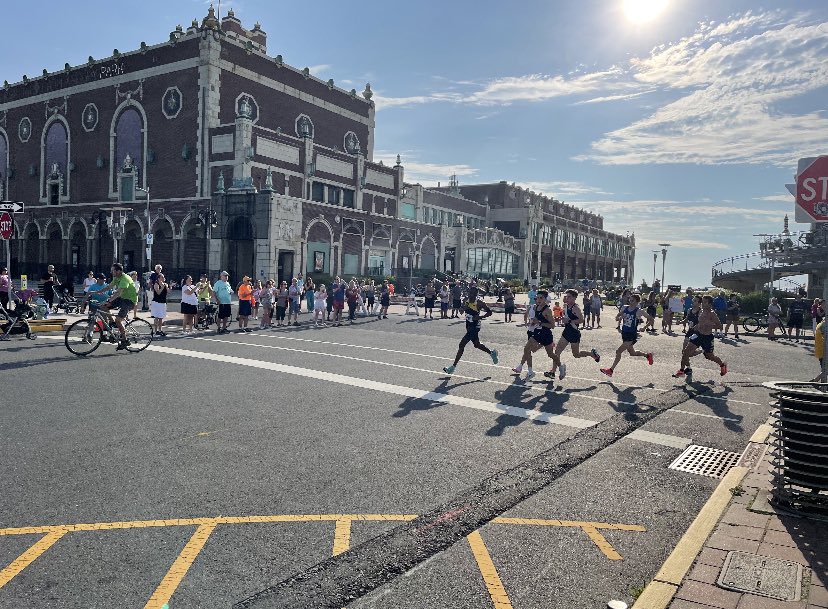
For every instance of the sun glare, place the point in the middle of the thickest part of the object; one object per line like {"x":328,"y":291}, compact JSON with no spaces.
{"x":642,"y":11}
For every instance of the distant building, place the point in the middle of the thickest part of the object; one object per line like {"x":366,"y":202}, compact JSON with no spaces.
{"x":248,"y":164}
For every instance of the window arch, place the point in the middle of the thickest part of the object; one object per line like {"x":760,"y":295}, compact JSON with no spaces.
{"x":54,"y":157}
{"x":128,"y":146}
{"x":4,"y":165}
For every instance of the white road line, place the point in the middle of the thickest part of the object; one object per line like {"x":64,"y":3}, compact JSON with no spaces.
{"x":431,"y":396}
{"x":449,"y":359}
{"x":529,"y":386}
{"x":708,"y":416}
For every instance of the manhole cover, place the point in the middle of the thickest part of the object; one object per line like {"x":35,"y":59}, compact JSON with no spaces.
{"x":762,"y":576}
{"x":705,"y":461}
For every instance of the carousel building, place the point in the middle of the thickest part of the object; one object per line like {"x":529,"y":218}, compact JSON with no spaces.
{"x":205,"y":153}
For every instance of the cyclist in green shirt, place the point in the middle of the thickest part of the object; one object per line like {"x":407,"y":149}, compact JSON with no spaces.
{"x":123,"y":298}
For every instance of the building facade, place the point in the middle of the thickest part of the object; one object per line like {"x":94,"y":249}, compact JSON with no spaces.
{"x":205,"y":153}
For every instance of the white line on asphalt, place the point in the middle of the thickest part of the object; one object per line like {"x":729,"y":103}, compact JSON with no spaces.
{"x":419,"y":394}
{"x":399,"y":390}
{"x":449,"y":359}
{"x":529,"y":386}
{"x":709,"y":416}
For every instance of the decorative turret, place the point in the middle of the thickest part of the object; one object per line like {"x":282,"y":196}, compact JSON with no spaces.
{"x":210,"y":22}
{"x":367,"y":93}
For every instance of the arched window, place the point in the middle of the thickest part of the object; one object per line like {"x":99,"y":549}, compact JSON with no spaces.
{"x":128,"y":135}
{"x":4,"y":167}
{"x":55,"y":185}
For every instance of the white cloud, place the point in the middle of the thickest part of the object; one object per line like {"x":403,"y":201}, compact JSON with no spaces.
{"x":787,"y":198}
{"x":427,"y":174}
{"x":560,"y":189}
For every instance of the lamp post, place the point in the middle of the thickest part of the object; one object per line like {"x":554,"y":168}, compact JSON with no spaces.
{"x":116,"y":221}
{"x":655,"y":258}
{"x":663,"y":247}
{"x":412,"y":253}
{"x":148,"y":249}
{"x":208,"y":219}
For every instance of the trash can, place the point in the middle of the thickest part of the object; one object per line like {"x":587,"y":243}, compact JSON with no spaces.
{"x":799,"y":445}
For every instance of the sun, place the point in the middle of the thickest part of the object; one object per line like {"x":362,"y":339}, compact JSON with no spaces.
{"x":642,"y":11}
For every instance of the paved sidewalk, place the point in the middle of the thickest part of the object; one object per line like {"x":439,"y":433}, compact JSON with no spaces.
{"x":738,"y":518}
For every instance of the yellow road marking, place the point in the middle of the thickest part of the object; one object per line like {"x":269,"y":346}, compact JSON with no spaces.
{"x":342,"y":536}
{"x":25,"y":559}
{"x":487,"y":569}
{"x":602,"y":543}
{"x":179,"y":568}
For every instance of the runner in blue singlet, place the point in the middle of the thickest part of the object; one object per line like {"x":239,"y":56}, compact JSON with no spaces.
{"x":629,"y":316}
{"x":571,"y":336}
{"x":472,"y":308}
{"x":539,"y":336}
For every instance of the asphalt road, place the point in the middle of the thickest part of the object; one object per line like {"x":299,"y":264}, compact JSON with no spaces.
{"x":322,"y":468}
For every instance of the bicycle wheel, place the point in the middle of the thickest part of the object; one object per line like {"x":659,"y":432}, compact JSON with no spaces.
{"x":751,"y":324}
{"x":139,"y":335}
{"x":80,"y":340}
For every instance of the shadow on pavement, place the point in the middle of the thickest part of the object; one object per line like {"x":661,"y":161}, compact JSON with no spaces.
{"x":410,"y":405}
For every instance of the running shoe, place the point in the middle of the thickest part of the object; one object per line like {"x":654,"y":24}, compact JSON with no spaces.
{"x":494,"y":356}
{"x":561,"y":372}
{"x":678,"y":374}
{"x":723,"y":369}
{"x":650,"y":359}
{"x":607,"y":371}
{"x":449,"y":369}
{"x":529,"y":375}
{"x":122,"y":345}
{"x":517,"y":370}
{"x":550,"y":374}
{"x":688,"y":374}
{"x":595,"y":355}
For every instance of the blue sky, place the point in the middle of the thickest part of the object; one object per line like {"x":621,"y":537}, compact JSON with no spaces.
{"x":683,"y":129}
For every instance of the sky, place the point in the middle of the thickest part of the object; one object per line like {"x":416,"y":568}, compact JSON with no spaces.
{"x":677,"y":120}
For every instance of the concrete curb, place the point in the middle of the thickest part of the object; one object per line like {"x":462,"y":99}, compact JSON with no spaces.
{"x":659,"y":593}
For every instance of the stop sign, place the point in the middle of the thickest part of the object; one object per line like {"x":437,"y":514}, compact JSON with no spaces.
{"x":6,"y":225}
{"x":812,"y":190}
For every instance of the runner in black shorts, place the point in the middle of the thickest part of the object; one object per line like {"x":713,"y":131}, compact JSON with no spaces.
{"x":571,"y":336}
{"x":629,"y":317}
{"x":539,"y":336}
{"x":473,"y":306}
{"x":701,"y":336}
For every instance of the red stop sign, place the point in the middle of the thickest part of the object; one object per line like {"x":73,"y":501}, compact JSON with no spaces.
{"x":812,"y":192}
{"x":6,"y":225}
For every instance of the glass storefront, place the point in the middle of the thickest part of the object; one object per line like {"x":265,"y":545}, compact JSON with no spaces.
{"x":491,"y":261}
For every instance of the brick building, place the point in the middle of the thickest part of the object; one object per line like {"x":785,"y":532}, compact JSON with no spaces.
{"x":222,"y":156}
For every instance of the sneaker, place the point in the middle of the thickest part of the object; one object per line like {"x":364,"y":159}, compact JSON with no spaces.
{"x":650,"y":359}
{"x":688,"y":373}
{"x":678,"y":374}
{"x":561,"y":372}
{"x":595,"y":355}
{"x":121,"y":345}
{"x":550,"y":374}
{"x":529,"y":375}
{"x":723,"y":369}
{"x":449,"y":369}
{"x":494,"y":356}
{"x":517,"y":370}
{"x":607,"y":371}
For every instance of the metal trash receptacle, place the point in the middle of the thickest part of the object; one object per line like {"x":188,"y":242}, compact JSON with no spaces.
{"x":799,"y":445}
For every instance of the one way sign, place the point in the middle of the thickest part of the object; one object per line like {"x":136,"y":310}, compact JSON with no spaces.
{"x":12,"y":206}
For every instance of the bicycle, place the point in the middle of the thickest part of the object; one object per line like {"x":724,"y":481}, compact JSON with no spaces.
{"x":753,"y":323}
{"x":86,"y":335}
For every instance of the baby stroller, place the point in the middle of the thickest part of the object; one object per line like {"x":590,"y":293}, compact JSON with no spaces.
{"x":206,"y":315}
{"x":16,"y":321}
{"x":64,"y":300}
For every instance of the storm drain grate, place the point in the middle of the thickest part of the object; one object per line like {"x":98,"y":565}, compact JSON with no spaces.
{"x":705,"y":461}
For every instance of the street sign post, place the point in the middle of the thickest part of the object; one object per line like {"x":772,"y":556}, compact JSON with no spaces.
{"x":812,"y":206}
{"x":6,"y":231}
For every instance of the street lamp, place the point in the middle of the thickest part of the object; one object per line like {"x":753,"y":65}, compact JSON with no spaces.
{"x":664,"y":247}
{"x":209,"y":220}
{"x":412,"y":253}
{"x":148,"y":249}
{"x":655,"y":258}
{"x":116,"y":221}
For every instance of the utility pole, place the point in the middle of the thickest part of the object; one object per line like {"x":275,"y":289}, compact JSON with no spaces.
{"x":655,"y":259}
{"x":663,"y":247}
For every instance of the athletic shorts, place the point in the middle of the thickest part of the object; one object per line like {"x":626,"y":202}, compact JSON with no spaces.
{"x":189,"y":309}
{"x":295,"y":306}
{"x":542,"y":336}
{"x":795,"y":321}
{"x":732,"y":318}
{"x":456,"y":304}
{"x":370,"y":301}
{"x":651,"y":311}
{"x":629,"y":337}
{"x":444,"y":306}
{"x":224,"y":311}
{"x":123,"y":305}
{"x":571,"y":335}
{"x":587,"y":310}
{"x":429,"y":303}
{"x":245,"y":308}
{"x":472,"y":333}
{"x":704,"y":341}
